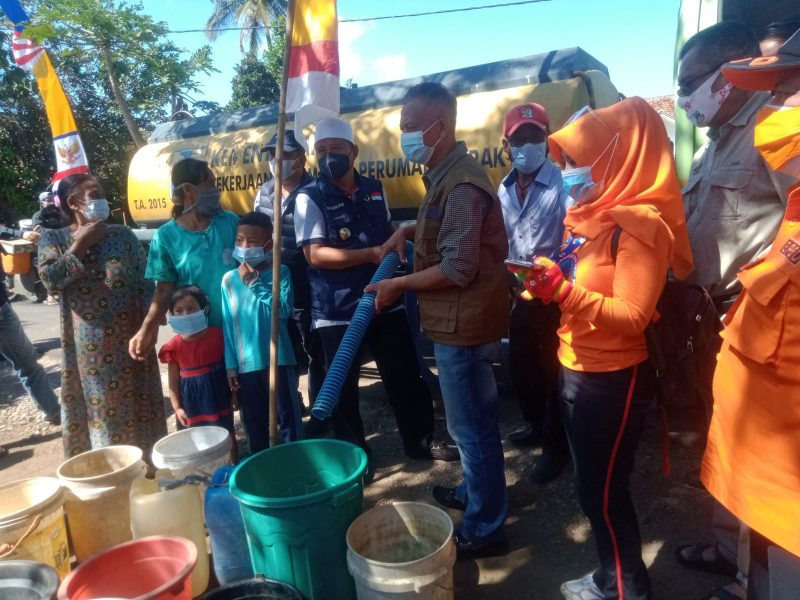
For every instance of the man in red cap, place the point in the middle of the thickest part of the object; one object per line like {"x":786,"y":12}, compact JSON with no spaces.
{"x":534,"y":205}
{"x":751,"y":462}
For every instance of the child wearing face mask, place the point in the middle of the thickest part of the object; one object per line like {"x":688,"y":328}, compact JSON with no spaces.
{"x":198,"y":386}
{"x":247,"y":319}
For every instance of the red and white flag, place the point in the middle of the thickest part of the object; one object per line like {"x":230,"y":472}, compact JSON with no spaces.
{"x":312,"y":91}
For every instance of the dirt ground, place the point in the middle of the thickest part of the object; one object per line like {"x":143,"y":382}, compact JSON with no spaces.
{"x":550,"y":540}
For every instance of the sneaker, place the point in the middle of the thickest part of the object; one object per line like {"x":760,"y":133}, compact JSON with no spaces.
{"x":547,"y":468}
{"x":443,"y":451}
{"x":54,"y":419}
{"x":582,"y":589}
{"x":432,"y":449}
{"x":471,"y":548}
{"x":526,"y":437}
{"x":446,"y":496}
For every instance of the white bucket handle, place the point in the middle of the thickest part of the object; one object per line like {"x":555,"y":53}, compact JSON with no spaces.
{"x":416,"y":582}
{"x":7,"y":549}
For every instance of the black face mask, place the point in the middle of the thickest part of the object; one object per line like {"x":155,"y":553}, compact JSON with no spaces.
{"x":334,"y":166}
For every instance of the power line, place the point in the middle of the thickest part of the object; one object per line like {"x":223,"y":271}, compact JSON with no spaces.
{"x":381,"y":18}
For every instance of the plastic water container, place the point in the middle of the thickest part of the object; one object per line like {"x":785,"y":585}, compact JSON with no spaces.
{"x":98,"y":484}
{"x":402,"y":551}
{"x":297,"y":502}
{"x":27,"y":580}
{"x":154,"y":568}
{"x":174,"y":512}
{"x":194,"y":451}
{"x":32,"y":519}
{"x":226,"y":530}
{"x":255,"y":589}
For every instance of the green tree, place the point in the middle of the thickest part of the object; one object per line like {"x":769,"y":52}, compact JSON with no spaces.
{"x":26,"y":147}
{"x":255,"y":17}
{"x":125,"y":53}
{"x":273,"y":55}
{"x":253,"y":84}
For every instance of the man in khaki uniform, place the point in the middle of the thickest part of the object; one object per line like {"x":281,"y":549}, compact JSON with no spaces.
{"x":734,"y":205}
{"x":460,"y":280}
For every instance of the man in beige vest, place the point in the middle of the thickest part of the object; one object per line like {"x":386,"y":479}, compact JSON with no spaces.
{"x":460,"y":280}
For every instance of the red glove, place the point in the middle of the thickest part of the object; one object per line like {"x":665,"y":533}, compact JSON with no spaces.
{"x":547,"y":282}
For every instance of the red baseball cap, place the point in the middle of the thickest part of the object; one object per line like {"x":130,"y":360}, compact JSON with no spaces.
{"x":525,"y":113}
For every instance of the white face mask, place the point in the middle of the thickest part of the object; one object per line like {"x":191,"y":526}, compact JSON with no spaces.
{"x":288,"y":168}
{"x":703,"y":104}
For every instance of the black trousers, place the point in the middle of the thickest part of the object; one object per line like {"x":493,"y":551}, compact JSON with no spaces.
{"x":308,"y":350}
{"x":604,"y":414}
{"x":533,"y":364}
{"x":389,"y":340}
{"x":774,"y":572}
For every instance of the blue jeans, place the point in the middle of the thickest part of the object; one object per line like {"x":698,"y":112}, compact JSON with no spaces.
{"x":254,"y":407}
{"x":471,"y":404}
{"x":17,"y":348}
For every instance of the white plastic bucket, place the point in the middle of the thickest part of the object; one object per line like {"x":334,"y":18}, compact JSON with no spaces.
{"x":98,"y":486}
{"x":402,"y":551}
{"x":194,"y":451}
{"x":32,"y":519}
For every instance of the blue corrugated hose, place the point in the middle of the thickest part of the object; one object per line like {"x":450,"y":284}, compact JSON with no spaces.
{"x":328,"y":396}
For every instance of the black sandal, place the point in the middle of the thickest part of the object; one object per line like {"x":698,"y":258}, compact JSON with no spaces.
{"x":697,"y":560}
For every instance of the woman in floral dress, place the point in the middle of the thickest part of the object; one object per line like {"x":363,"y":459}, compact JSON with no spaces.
{"x":98,"y":271}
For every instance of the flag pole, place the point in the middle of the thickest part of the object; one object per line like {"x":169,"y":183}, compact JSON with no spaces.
{"x":277,"y":221}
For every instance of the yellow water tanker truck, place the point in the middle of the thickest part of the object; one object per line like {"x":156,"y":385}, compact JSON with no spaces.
{"x":232,"y":143}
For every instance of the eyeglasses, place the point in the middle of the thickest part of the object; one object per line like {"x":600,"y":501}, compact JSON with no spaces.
{"x":688,"y":87}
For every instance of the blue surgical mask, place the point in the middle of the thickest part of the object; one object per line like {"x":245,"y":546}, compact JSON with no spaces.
{"x":207,"y":201}
{"x":414,"y":147}
{"x":185,"y":325}
{"x":334,"y":166}
{"x":252,"y":256}
{"x":529,"y":157}
{"x":577,"y":182}
{"x":96,"y":210}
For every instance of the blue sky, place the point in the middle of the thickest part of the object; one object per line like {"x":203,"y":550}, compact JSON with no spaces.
{"x":634,"y":39}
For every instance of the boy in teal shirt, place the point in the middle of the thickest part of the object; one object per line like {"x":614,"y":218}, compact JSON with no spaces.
{"x":246,"y":321}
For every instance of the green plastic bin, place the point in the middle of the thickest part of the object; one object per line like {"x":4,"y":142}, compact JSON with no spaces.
{"x":297,"y":501}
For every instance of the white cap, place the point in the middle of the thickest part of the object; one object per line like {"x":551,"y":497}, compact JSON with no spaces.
{"x":45,"y":196}
{"x":333,"y":128}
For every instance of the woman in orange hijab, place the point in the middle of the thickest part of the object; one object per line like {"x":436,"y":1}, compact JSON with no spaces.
{"x":620,"y":171}
{"x":752,"y":459}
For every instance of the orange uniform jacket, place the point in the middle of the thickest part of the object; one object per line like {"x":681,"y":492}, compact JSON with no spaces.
{"x":752,"y":460}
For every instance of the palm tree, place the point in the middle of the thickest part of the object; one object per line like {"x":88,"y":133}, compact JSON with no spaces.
{"x":255,"y":17}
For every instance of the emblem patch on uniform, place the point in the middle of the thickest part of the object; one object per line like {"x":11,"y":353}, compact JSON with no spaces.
{"x":344,"y":233}
{"x":374,"y":197}
{"x":791,"y":250}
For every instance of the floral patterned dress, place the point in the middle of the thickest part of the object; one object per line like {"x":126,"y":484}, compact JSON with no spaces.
{"x":106,"y":396}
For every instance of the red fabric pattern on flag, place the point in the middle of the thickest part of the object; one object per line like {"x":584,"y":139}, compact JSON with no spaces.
{"x":317,"y":56}
{"x":26,"y":53}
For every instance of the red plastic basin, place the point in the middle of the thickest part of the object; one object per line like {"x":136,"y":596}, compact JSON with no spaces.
{"x":150,"y":568}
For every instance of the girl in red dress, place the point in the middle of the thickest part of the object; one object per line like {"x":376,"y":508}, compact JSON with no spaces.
{"x":198,"y":384}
